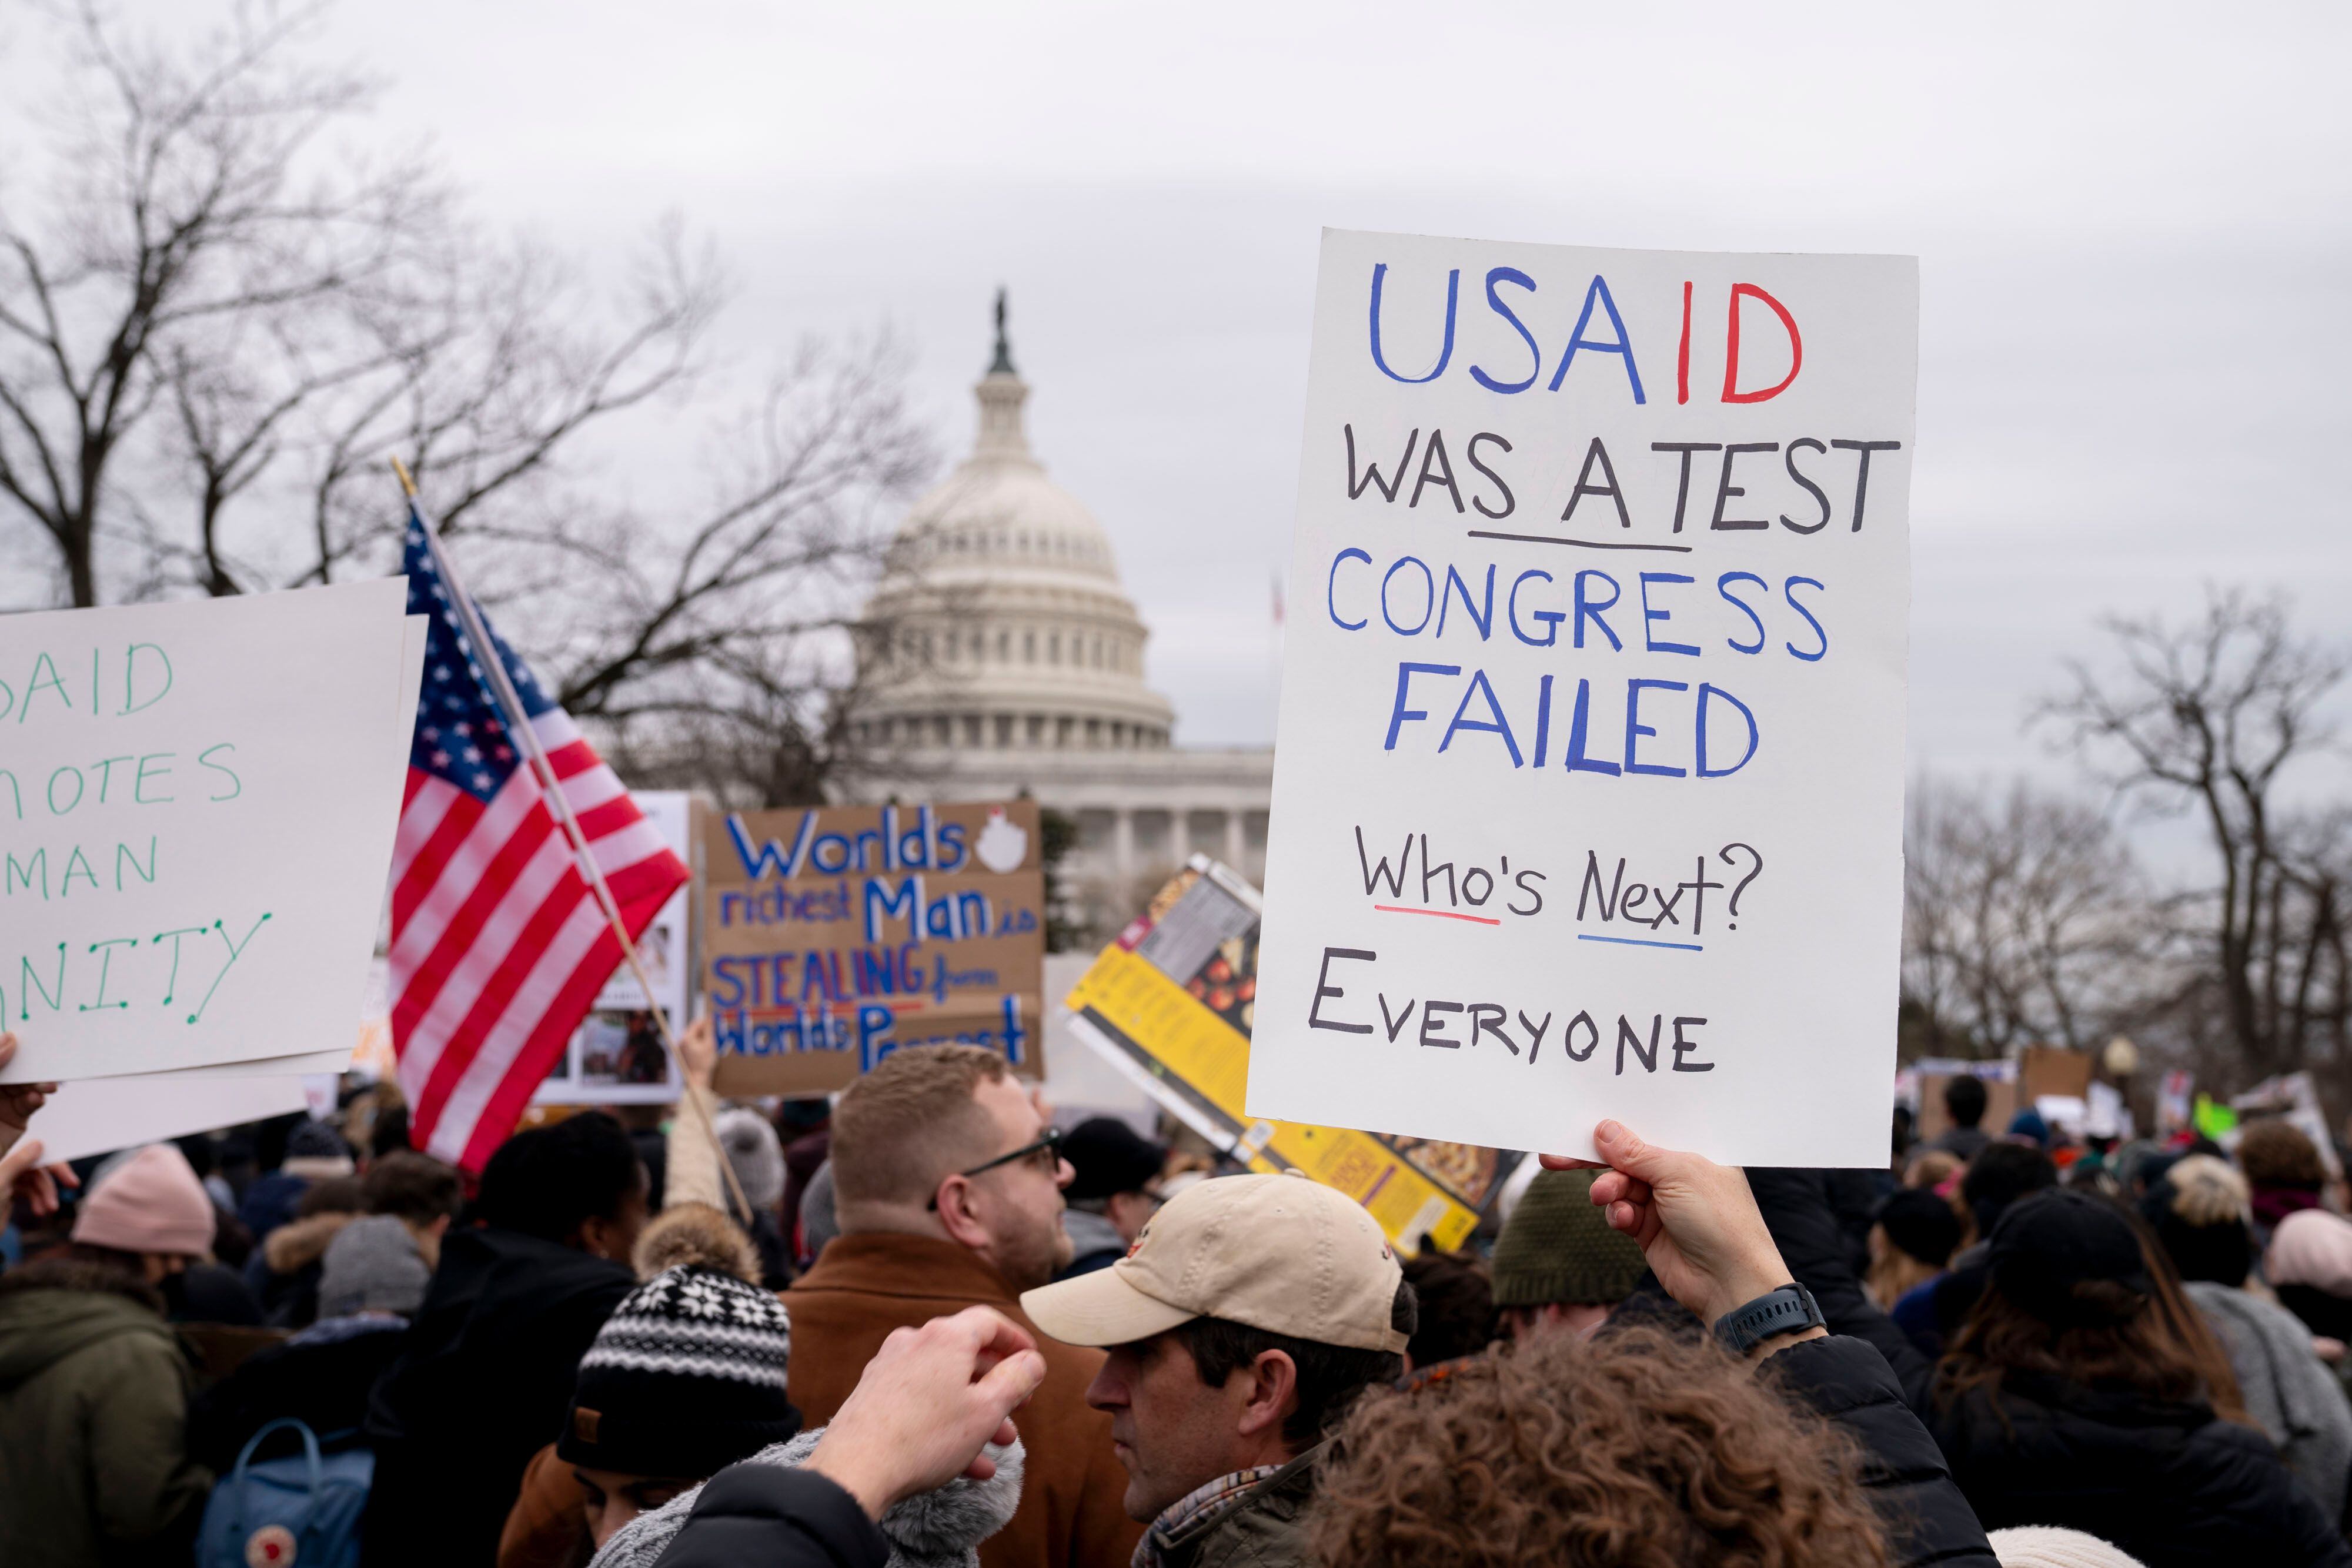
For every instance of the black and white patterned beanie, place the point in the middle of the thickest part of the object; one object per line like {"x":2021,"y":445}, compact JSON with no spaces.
{"x":685,"y":1377}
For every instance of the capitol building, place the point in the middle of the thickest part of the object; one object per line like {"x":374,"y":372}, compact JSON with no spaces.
{"x":1002,"y":657}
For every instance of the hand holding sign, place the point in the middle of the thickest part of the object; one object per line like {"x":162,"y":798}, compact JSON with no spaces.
{"x":1697,"y":1221}
{"x":18,"y":1101}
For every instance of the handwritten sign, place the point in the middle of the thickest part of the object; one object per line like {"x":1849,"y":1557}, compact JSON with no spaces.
{"x":834,"y":937}
{"x":197,"y":803}
{"x":1170,"y":1004}
{"x":1588,"y":781}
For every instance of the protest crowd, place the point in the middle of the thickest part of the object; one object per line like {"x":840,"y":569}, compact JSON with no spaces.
{"x":1001,"y":1341}
{"x":818,"y":1279}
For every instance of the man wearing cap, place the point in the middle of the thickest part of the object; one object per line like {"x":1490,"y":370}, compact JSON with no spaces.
{"x":1116,"y":1189}
{"x":1249,"y":1313}
{"x":948,"y":1186}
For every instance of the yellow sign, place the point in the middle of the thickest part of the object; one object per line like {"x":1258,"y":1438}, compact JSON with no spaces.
{"x":1189,"y":1038}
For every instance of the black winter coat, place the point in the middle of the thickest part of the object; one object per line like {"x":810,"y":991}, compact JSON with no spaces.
{"x":776,"y":1518}
{"x":1928,"y":1523}
{"x":480,"y":1387}
{"x":1811,"y":1215}
{"x":323,"y":1381}
{"x":2173,"y":1485}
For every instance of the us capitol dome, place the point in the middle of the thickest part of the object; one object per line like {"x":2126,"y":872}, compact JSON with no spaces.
{"x":1001,"y":655}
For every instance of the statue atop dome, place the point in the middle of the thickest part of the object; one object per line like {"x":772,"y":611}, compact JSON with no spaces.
{"x":1003,"y":364}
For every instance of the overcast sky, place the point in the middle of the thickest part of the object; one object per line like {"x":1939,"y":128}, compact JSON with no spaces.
{"x":2132,"y":222}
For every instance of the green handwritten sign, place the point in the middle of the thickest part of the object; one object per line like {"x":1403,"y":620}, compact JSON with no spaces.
{"x":197,"y":803}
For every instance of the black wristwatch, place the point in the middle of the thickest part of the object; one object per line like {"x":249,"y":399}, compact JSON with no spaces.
{"x":1784,"y":1311}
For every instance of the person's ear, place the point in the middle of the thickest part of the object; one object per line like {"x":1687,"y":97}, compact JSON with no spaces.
{"x":601,"y":1236}
{"x":1273,"y":1394}
{"x":959,"y":1216}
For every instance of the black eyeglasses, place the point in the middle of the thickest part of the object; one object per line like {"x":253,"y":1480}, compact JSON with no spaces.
{"x":1050,"y":1145}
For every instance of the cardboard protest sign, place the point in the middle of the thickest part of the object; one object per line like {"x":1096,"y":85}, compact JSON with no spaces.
{"x":832,"y":937}
{"x":1588,"y":778}
{"x":1171,"y":1003}
{"x":1936,"y":1075}
{"x":198,"y":804}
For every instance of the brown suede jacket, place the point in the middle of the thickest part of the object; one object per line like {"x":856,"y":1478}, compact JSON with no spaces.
{"x":865,"y":1286}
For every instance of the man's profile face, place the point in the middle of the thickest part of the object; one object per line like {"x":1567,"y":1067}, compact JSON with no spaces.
{"x":1171,"y":1431}
{"x":1021,"y":1202}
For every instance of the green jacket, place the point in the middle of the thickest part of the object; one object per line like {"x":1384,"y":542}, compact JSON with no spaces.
{"x":94,"y":1471}
{"x":1266,"y":1527}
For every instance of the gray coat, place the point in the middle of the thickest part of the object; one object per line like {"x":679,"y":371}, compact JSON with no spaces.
{"x":2287,"y":1389}
{"x":940,"y":1528}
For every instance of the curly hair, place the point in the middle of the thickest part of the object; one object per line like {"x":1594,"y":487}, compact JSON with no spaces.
{"x":1634,"y":1450}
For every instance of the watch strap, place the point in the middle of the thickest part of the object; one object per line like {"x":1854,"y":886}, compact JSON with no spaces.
{"x":1784,"y":1311}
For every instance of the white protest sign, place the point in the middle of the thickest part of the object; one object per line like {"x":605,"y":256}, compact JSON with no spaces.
{"x":107,"y":1113}
{"x":1588,"y":784}
{"x":197,"y":803}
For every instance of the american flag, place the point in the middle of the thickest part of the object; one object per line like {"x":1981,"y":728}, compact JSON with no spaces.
{"x":498,"y":944}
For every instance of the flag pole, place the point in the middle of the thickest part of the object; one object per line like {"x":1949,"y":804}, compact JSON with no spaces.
{"x":502,"y":693}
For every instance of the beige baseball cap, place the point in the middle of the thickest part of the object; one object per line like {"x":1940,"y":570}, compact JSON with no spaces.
{"x":1282,"y":1253}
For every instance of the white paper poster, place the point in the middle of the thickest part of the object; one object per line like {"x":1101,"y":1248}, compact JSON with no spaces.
{"x":107,"y":1113}
{"x":1588,"y":782}
{"x":197,"y":803}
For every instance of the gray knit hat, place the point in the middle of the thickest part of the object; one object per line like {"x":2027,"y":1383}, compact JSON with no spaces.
{"x":371,"y":1266}
{"x":1558,"y":1247}
{"x":751,"y":1147}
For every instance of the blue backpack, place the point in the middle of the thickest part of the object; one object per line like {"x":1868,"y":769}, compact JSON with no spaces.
{"x":299,"y":1512}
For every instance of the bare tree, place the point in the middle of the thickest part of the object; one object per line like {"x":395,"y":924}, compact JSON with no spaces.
{"x":2210,"y":716}
{"x":2026,"y":921}
{"x":217,"y":321}
{"x":188,"y":202}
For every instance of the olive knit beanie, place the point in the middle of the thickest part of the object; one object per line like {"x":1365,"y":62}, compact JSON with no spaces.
{"x":1557,"y":1247}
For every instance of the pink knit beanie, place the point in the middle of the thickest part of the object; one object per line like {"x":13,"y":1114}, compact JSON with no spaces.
{"x":152,"y":1202}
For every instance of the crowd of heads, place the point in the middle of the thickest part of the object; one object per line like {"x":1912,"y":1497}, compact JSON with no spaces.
{"x":1217,"y":1342}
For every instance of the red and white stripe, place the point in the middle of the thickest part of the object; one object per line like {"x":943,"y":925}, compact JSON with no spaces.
{"x":498,"y":944}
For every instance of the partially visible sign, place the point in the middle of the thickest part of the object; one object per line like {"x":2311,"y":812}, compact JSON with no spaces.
{"x":833,"y":936}
{"x":198,"y":804}
{"x":2294,"y":1100}
{"x":103,"y":1114}
{"x":616,"y":1057}
{"x":1172,"y":1003}
{"x":1936,"y":1074}
{"x":2173,"y":1101}
{"x":662,"y":949}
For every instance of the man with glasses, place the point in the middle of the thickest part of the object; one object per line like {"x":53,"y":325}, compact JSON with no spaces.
{"x":948,"y":1184}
